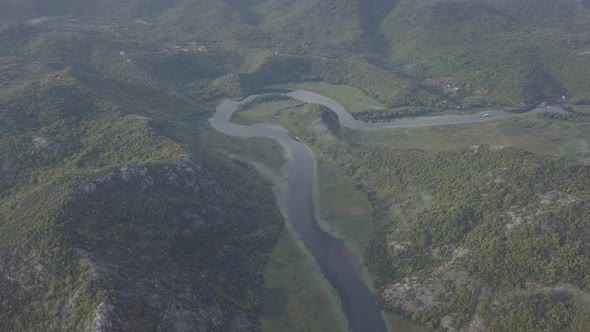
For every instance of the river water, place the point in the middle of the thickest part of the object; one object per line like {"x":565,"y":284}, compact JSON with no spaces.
{"x":346,"y":120}
{"x":338,"y":264}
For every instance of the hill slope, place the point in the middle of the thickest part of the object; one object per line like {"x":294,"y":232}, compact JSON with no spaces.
{"x":512,"y":53}
{"x":115,"y":215}
{"x":106,"y":224}
{"x":515,"y":51}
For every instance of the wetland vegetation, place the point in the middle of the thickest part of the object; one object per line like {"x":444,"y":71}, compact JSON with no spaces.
{"x":371,"y":169}
{"x":121,"y":208}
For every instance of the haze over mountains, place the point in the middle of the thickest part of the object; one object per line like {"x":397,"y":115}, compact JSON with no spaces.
{"x":121,"y":209}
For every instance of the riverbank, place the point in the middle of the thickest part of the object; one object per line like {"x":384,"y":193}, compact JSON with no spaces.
{"x":336,"y":260}
{"x":300,"y":223}
{"x":296,"y":294}
{"x":566,"y":138}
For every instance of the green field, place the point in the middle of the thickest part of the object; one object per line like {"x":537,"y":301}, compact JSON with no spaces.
{"x":350,"y":98}
{"x":262,"y":150}
{"x":397,"y":323}
{"x":270,"y":112}
{"x":578,"y":150}
{"x":296,"y":296}
{"x":345,"y":211}
{"x":567,"y":139}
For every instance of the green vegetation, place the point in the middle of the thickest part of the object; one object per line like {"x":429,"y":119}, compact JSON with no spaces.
{"x":450,"y":225}
{"x":296,"y":295}
{"x":263,"y":150}
{"x":513,"y":51}
{"x":544,"y":136}
{"x":105,"y":209}
{"x":583,"y":109}
{"x":396,"y":322}
{"x":545,"y":310}
{"x":577,"y":150}
{"x":350,"y":98}
{"x":270,"y":112}
{"x":103,"y":109}
{"x":345,"y":210}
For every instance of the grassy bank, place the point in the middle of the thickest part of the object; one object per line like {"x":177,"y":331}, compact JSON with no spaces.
{"x":584,"y":109}
{"x":344,"y":210}
{"x":350,"y":98}
{"x":296,"y":296}
{"x":268,"y":111}
{"x":567,"y":139}
{"x":262,"y":150}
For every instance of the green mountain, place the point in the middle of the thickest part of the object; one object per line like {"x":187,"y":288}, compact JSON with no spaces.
{"x":118,"y":211}
{"x":511,"y":53}
{"x":514,"y":51}
{"x":107,"y":224}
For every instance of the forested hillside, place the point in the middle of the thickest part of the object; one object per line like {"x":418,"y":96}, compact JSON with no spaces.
{"x":118,"y":213}
{"x":467,"y":54}
{"x":106,"y":224}
{"x":513,"y":51}
{"x":113,"y":214}
{"x":485,"y":238}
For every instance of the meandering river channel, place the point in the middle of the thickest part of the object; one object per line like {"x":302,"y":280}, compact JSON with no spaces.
{"x":338,"y":264}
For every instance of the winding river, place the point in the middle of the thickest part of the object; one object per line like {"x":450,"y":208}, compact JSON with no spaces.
{"x":338,"y":264}
{"x":346,"y":120}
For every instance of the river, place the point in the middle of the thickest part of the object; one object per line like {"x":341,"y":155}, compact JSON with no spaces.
{"x":346,"y":120}
{"x":338,"y":264}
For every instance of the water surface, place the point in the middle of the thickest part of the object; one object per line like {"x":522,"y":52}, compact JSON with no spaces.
{"x":337,"y":262}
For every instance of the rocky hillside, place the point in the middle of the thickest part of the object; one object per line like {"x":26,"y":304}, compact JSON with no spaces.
{"x":107,"y":224}
{"x":144,"y":247}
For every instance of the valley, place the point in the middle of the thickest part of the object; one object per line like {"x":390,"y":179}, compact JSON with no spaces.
{"x":407,"y":165}
{"x":284,"y":112}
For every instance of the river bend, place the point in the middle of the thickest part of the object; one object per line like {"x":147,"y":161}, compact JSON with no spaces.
{"x":338,"y":264}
